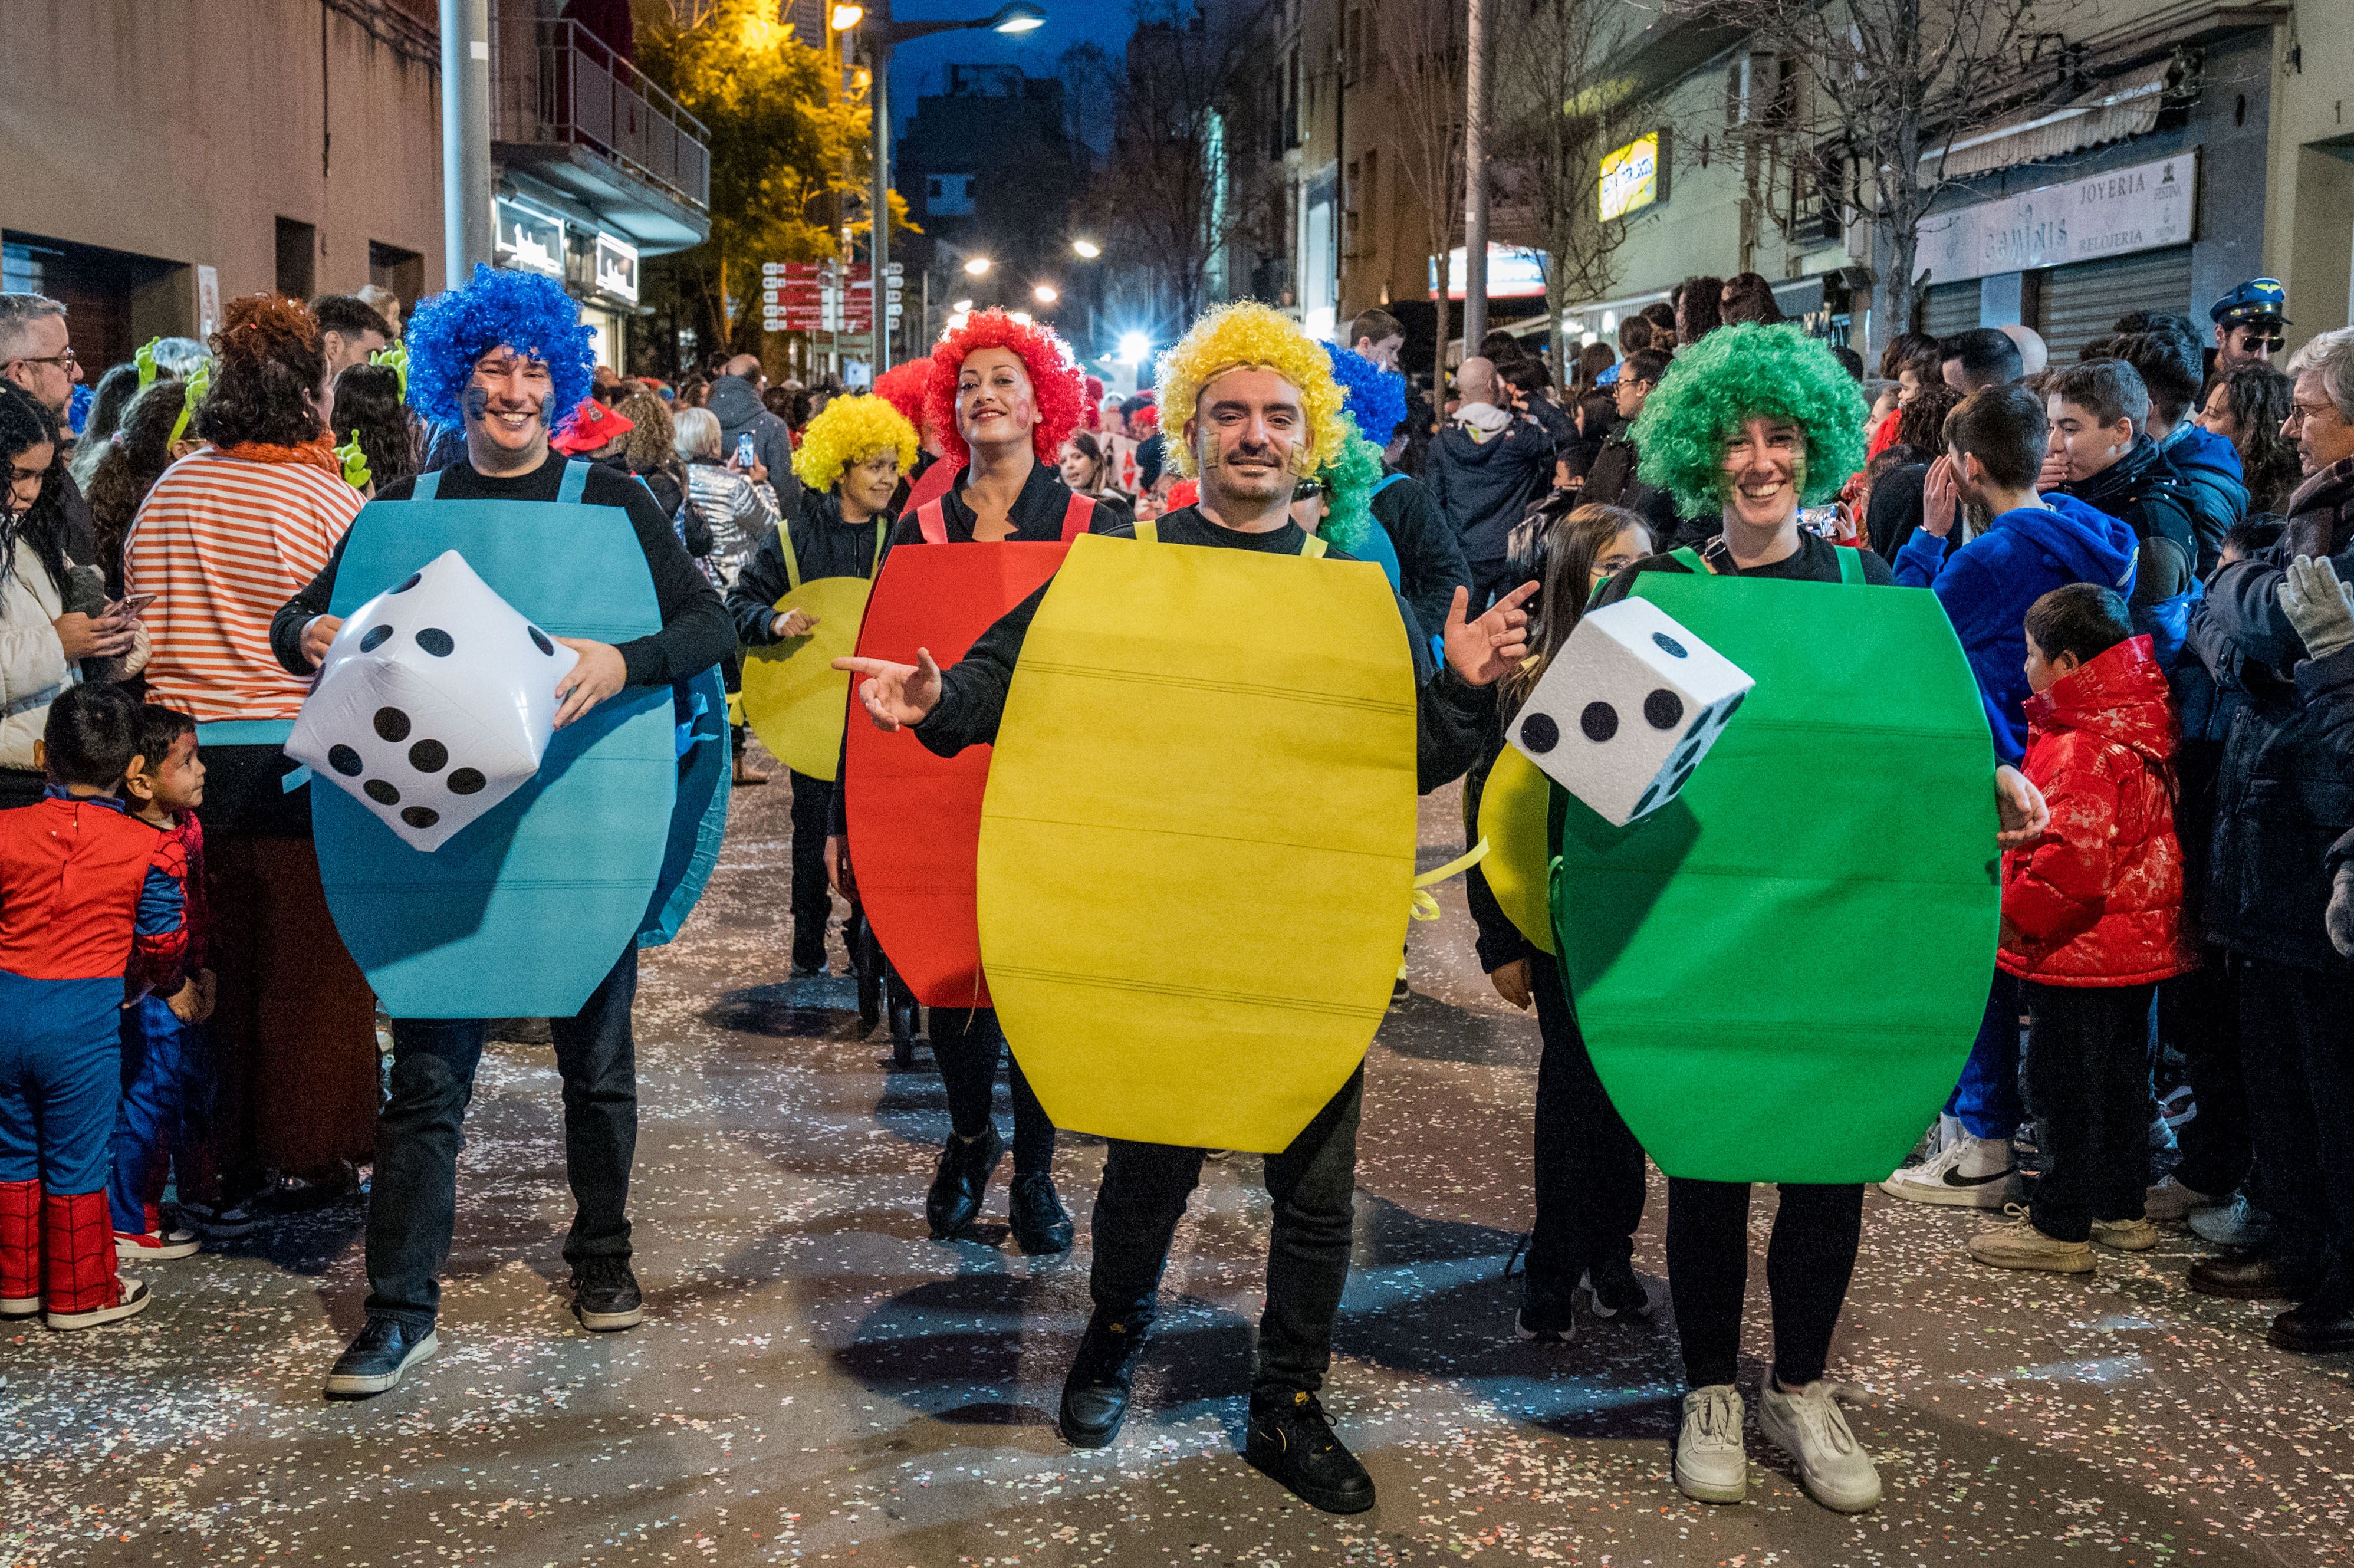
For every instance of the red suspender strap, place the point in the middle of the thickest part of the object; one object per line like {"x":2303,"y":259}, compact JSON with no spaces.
{"x":933,"y":522}
{"x":1077,"y":516}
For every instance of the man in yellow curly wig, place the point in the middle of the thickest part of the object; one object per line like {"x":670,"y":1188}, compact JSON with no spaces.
{"x":850,"y":460}
{"x":1249,"y":404}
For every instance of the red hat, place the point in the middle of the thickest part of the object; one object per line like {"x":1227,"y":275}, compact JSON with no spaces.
{"x":592,"y":425}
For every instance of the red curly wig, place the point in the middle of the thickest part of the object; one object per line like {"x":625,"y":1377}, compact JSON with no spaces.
{"x":268,"y":362}
{"x":905,"y":387}
{"x":1055,"y":384}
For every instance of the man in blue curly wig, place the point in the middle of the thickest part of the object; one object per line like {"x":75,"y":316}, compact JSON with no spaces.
{"x":502,"y":358}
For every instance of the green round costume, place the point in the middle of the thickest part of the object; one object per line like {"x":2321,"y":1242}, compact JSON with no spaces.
{"x":1779,"y":975}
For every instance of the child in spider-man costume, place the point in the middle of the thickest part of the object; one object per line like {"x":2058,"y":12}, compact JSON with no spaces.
{"x":82,"y":885}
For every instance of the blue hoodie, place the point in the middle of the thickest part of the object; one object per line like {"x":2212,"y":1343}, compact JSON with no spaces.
{"x":2214,"y":482}
{"x":1987,"y":585}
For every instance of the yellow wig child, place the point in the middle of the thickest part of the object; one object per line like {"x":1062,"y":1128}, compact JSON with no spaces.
{"x":1249,"y":333}
{"x":849,"y":431}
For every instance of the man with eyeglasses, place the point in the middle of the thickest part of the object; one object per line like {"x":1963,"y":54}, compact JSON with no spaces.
{"x":2248,"y":322}
{"x":36,"y":357}
{"x":2281,"y":803}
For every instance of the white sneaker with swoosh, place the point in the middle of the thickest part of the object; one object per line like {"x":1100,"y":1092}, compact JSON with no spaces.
{"x":1966,"y":1173}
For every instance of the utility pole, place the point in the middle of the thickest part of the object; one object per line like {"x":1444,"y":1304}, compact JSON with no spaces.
{"x":468,"y":230}
{"x":878,"y":102}
{"x":1475,"y":180}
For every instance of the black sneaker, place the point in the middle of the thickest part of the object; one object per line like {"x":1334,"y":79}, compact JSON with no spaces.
{"x":1613,"y":1291}
{"x":1041,"y":1224}
{"x":1541,"y":1323}
{"x":374,"y":1360}
{"x":1095,"y":1393}
{"x":954,"y":1200}
{"x":1293,"y":1446}
{"x":605,"y":1295}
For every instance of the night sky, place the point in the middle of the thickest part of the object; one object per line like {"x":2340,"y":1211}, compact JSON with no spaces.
{"x":921,"y":66}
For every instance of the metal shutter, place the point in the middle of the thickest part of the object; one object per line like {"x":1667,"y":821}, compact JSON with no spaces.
{"x":2083,"y":301}
{"x":1950,"y":308}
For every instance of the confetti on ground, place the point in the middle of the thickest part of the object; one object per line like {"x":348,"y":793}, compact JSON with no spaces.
{"x":819,"y":1382}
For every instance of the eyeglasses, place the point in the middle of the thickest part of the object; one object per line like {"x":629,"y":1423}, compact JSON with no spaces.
{"x":65,"y":361}
{"x":2300,"y":413}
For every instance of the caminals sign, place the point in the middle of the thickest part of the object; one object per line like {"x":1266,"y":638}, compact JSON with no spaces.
{"x":2145,"y":207}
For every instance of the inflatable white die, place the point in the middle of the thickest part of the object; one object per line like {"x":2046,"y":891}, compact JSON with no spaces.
{"x":1627,"y":709}
{"x":434,"y":703}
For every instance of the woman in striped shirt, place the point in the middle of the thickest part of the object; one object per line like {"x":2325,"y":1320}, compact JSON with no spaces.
{"x":229,"y":533}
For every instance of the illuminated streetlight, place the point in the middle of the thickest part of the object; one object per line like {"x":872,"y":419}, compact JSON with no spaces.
{"x":1133,"y":347}
{"x":847,"y":17}
{"x":1086,"y":248}
{"x":1017,"y":18}
{"x":977,"y":266}
{"x":962,"y":305}
{"x":1045,"y":294}
{"x":957,"y":321}
{"x":1023,"y":317}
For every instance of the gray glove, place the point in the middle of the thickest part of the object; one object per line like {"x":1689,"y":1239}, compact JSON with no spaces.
{"x":2319,"y":605}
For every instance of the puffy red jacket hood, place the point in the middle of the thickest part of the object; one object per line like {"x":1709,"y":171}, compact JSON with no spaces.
{"x":2099,"y":899}
{"x":2120,"y":696}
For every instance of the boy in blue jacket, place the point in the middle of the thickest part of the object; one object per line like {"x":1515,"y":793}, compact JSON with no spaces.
{"x":1995,"y":444}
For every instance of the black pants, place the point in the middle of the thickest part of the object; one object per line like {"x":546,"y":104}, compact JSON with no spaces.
{"x":1808,"y":1262}
{"x":413,"y":1207}
{"x":967,"y":1046}
{"x":2088,"y":1084}
{"x":813,"y":901}
{"x":2296,"y":1041}
{"x":1313,"y":1183}
{"x":2198,"y":1014}
{"x":1589,"y":1169}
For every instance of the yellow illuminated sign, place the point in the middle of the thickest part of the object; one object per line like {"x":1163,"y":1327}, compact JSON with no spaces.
{"x":1630,"y":177}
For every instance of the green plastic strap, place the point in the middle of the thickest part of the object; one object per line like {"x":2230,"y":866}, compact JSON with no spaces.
{"x":1851,"y":566}
{"x":785,"y":548}
{"x":1694,"y":559}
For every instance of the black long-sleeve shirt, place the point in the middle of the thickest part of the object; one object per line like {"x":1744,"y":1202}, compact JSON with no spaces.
{"x":1430,"y":562}
{"x":973,"y":689}
{"x":823,"y":545}
{"x":695,"y":634}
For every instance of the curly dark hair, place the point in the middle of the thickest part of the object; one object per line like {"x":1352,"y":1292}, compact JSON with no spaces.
{"x":115,"y":390}
{"x":128,"y":467}
{"x":1699,"y":308}
{"x":1922,"y":422}
{"x":1748,"y":297}
{"x":269,"y":369}
{"x":369,"y":404}
{"x":24,"y":425}
{"x":2258,"y":396}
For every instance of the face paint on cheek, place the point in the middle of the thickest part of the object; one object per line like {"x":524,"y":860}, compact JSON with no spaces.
{"x":476,"y":402}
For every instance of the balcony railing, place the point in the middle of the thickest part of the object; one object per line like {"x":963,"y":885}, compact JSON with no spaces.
{"x":554,"y":83}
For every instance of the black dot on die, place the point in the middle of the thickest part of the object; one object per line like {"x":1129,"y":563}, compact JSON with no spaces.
{"x":375,"y":638}
{"x":1684,"y":777}
{"x":428,"y":757}
{"x":392,"y":724}
{"x":436,"y":641}
{"x":414,"y":578}
{"x":345,"y":760}
{"x":1663,"y":708}
{"x":1669,"y":646}
{"x":1644,"y":804}
{"x":419,"y":816}
{"x":1599,"y":721}
{"x":381,"y":792}
{"x":539,"y":640}
{"x":466,"y":780}
{"x":1732,"y":703}
{"x":1539,"y":733}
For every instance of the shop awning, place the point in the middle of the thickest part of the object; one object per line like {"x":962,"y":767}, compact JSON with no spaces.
{"x":2116,"y":109}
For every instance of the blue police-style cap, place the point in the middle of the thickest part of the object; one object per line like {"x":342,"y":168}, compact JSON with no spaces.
{"x":2258,"y":297}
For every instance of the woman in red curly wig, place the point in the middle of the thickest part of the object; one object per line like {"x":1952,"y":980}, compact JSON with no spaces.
{"x":1004,"y":397}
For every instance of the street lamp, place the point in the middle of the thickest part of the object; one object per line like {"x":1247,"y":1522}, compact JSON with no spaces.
{"x":1086,"y":248}
{"x":874,"y":22}
{"x":1045,"y":294}
{"x":977,"y":266}
{"x":961,"y":306}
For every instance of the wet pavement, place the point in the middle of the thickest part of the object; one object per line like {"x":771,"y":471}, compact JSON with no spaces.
{"x":817,"y":1381}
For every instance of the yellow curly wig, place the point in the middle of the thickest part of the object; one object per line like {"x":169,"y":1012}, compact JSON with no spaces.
{"x":1246,"y":332}
{"x":851,"y":430}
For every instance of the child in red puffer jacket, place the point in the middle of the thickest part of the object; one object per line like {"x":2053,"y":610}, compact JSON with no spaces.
{"x":2091,"y":920}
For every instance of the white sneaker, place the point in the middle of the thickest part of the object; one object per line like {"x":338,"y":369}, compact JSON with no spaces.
{"x":1807,"y":1425}
{"x":2236,"y":1224}
{"x":2169,"y":1202}
{"x":1710,"y":1466}
{"x":1966,"y":1173}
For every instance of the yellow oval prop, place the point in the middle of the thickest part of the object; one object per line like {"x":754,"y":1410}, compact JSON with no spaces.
{"x":1513,"y":806}
{"x":1197,"y":847}
{"x":793,"y":696}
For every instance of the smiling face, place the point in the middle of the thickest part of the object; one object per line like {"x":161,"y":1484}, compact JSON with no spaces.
{"x":1250,"y":436}
{"x":866,"y":485}
{"x":2089,"y":446}
{"x":1764,"y":467}
{"x":995,"y":405}
{"x":26,"y":472}
{"x":506,"y":408}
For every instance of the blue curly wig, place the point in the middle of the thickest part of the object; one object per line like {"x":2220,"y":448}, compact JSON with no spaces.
{"x":1374,"y":398}
{"x":527,"y":312}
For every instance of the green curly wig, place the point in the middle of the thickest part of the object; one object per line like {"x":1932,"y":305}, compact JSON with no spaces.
{"x":1349,"y":483}
{"x":1731,"y":377}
